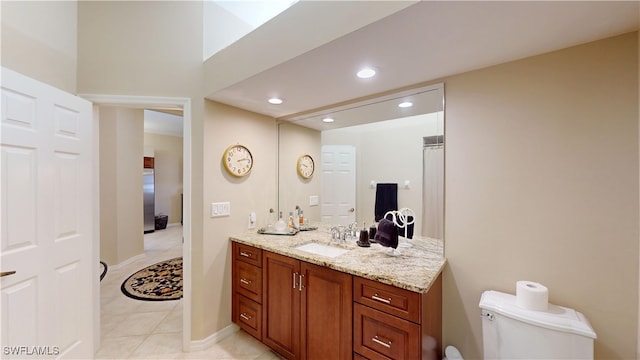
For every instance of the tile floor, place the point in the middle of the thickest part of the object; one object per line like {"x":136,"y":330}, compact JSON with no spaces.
{"x":136,"y":329}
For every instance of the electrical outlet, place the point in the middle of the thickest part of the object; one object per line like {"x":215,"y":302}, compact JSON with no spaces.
{"x":220,"y":209}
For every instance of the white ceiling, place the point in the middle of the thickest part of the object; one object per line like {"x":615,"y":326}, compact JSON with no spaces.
{"x":426,"y":41}
{"x":226,"y":21}
{"x":163,"y":123}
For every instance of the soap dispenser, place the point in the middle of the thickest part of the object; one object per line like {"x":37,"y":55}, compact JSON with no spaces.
{"x":280,"y":225}
{"x":372,"y":232}
{"x":364,"y":237}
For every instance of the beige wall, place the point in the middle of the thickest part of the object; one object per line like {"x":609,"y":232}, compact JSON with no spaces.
{"x":542,"y":185}
{"x":168,"y":174}
{"x":295,"y":141}
{"x":45,"y":49}
{"x":225,"y":126}
{"x":128,"y":48}
{"x":121,"y":214}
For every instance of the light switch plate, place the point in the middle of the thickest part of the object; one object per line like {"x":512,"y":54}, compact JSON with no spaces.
{"x":313,"y":200}
{"x":220,"y":209}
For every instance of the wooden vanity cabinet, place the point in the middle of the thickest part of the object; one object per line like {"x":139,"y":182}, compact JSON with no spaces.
{"x":307,"y":309}
{"x":246,"y":272}
{"x":394,"y":323}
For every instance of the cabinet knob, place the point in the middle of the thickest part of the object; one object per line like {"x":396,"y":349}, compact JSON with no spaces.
{"x":245,"y":254}
{"x":245,"y":316}
{"x":245,"y":281}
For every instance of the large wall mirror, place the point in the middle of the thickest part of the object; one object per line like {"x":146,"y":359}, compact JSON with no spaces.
{"x":370,"y":142}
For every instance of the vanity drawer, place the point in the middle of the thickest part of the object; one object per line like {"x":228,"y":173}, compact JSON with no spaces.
{"x":247,"y":281}
{"x":248,"y":315}
{"x":357,"y":356}
{"x":378,"y":335}
{"x":390,"y":299}
{"x":247,"y":254}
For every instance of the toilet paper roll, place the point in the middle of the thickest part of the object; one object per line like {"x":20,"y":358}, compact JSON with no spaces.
{"x":532,"y":295}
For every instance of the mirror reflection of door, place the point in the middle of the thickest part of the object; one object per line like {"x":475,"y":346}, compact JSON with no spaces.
{"x":338,"y":184}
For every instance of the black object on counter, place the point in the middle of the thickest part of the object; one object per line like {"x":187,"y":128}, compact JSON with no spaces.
{"x":387,"y":234}
{"x":364,"y":239}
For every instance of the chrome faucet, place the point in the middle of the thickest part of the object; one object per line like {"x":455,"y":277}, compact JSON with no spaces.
{"x":352,"y":234}
{"x":338,"y":234}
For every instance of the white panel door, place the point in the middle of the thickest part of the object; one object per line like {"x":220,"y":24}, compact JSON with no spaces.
{"x":338,"y":184}
{"x":46,"y":221}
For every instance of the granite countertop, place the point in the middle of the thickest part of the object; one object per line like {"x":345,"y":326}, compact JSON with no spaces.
{"x":415,"y":269}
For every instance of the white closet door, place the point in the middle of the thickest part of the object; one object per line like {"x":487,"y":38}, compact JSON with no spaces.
{"x":46,"y":223}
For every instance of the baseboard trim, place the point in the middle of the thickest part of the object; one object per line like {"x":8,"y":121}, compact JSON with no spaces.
{"x":204,"y":344}
{"x":127,"y":262}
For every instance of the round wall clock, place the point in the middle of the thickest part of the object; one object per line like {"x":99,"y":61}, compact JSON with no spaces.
{"x":237,"y":160}
{"x":306,"y":166}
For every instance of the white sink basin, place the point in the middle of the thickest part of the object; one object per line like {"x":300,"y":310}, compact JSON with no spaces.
{"x":322,"y":249}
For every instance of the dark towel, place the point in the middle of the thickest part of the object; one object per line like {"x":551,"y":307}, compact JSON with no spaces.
{"x":387,"y":234}
{"x":386,"y":199}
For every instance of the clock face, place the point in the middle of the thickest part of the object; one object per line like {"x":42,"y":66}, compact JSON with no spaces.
{"x":306,"y":166}
{"x":238,"y":160}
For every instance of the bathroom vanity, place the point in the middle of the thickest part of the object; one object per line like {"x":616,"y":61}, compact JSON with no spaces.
{"x":307,"y":297}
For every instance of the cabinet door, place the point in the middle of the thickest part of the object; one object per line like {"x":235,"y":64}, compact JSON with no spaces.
{"x":281,"y":304}
{"x":326,"y":313}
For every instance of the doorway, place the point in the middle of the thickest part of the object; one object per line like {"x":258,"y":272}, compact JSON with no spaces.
{"x":141,"y":102}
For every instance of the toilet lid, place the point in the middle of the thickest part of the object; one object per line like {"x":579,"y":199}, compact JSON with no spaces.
{"x":555,"y":317}
{"x":451,"y":352}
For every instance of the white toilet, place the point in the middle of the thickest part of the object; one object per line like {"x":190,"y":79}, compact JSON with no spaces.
{"x":512,"y":332}
{"x":452,"y":353}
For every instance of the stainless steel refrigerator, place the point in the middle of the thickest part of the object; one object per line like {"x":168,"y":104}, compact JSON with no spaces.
{"x":148,"y":190}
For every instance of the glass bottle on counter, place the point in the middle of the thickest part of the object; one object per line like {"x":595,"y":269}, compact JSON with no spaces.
{"x":271,"y":219}
{"x":291,"y":225}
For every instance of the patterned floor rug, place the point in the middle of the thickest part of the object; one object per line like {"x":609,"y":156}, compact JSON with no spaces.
{"x":158,"y":282}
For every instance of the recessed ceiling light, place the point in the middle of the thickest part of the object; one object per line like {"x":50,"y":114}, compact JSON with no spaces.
{"x":275,"y":101}
{"x":405,"y":104}
{"x":327,"y":120}
{"x":366,"y":73}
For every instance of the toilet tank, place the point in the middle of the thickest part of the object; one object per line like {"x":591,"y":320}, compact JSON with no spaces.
{"x":512,"y":332}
